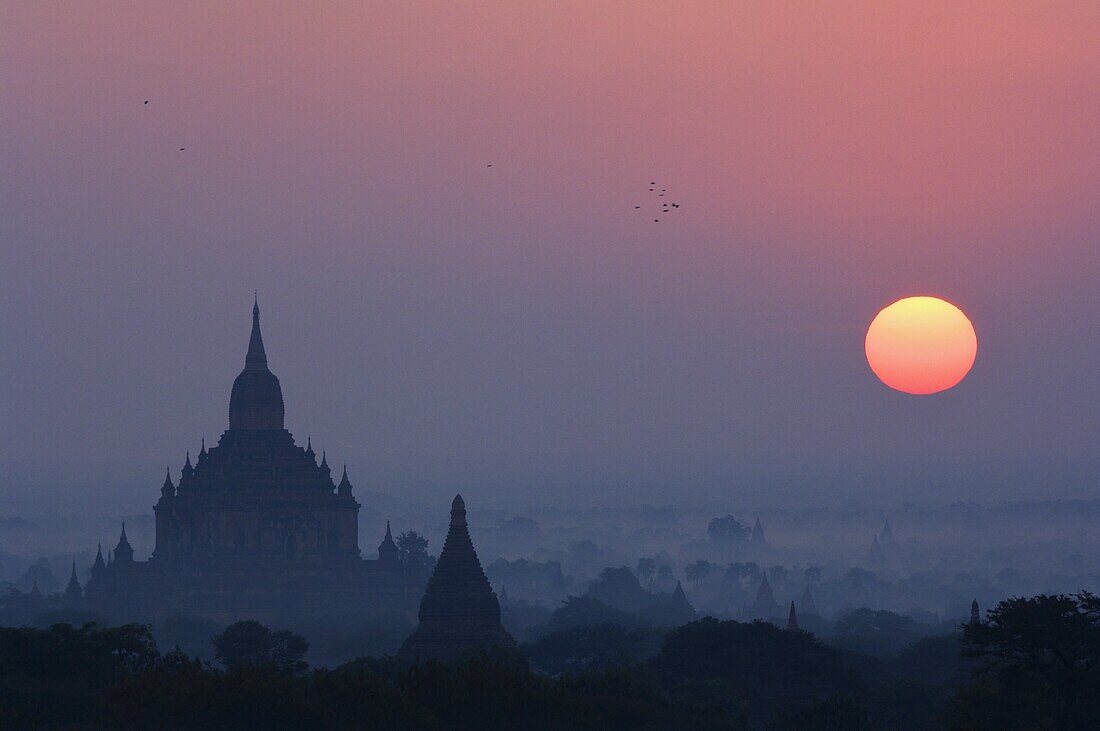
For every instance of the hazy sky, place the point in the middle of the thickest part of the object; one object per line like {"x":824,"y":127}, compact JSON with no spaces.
{"x":520,"y":330}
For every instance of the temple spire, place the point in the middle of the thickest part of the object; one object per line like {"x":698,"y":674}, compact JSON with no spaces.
{"x":256,"y":358}
{"x":975,"y":615}
{"x":73,"y":591}
{"x":459,"y":611}
{"x":387,"y":549}
{"x":99,"y":563}
{"x":123,"y":551}
{"x":344,"y":488}
{"x":167,"y":489}
{"x":792,"y":619}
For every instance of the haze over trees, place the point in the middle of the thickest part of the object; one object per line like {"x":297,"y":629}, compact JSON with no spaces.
{"x":1032,"y":664}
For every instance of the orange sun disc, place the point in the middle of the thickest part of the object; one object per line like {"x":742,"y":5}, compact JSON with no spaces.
{"x":921,"y":345}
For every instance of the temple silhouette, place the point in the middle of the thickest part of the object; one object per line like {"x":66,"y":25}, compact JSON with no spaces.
{"x":256,"y":528}
{"x":459,"y":612}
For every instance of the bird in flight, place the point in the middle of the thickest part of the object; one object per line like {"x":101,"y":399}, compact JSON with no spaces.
{"x":146,"y":101}
{"x":182,"y":149}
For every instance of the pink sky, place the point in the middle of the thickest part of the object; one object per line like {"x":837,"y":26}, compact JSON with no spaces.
{"x":423,"y":309}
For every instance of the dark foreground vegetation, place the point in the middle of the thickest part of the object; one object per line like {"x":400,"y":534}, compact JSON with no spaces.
{"x":1035,"y":663}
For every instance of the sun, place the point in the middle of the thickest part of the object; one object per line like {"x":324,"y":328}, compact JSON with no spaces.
{"x":921,"y":345}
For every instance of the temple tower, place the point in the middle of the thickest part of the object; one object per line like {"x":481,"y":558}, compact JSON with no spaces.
{"x":124,"y":553}
{"x":73,"y":592}
{"x":387,"y":549}
{"x":256,"y":401}
{"x":809,"y":606}
{"x":765,"y":606}
{"x":758,"y":538}
{"x":792,"y":619}
{"x":459,"y":612}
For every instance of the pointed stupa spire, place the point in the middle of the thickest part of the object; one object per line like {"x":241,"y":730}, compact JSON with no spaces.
{"x":256,"y":359}
{"x":792,"y":619}
{"x":73,"y":591}
{"x":309,"y":446}
{"x":765,"y":587}
{"x":459,"y":612}
{"x":202,"y":446}
{"x":886,"y":537}
{"x":99,"y":564}
{"x":765,"y":606}
{"x":256,"y":401}
{"x":975,"y":615}
{"x":758,"y":533}
{"x":167,"y":489}
{"x":324,"y":460}
{"x":344,"y":488}
{"x":387,"y":549}
{"x":807,"y":601}
{"x":187,"y":468}
{"x":123,"y":551}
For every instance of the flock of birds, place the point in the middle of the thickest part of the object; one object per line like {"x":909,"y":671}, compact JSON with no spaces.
{"x":665,"y":207}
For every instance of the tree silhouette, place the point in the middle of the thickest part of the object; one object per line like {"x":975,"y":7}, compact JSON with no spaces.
{"x":727,"y":530}
{"x":698,"y":571}
{"x":412,"y":550}
{"x":1040,"y":663}
{"x":251,"y":644}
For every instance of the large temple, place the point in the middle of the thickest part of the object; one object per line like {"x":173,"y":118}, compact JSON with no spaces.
{"x":256,"y":528}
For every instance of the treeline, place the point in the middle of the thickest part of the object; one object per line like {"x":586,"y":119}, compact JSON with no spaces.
{"x":1034,"y":663}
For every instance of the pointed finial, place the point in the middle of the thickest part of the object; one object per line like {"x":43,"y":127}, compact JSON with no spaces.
{"x":389,"y":535}
{"x":324,"y":460}
{"x":123,"y":536}
{"x":202,"y":445}
{"x":458,"y":511}
{"x":187,"y":464}
{"x":792,"y":619}
{"x":256,"y":359}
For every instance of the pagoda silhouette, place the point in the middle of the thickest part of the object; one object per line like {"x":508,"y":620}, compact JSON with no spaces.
{"x":459,"y":613}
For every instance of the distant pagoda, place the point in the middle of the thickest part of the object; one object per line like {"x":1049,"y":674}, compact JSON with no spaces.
{"x":459,"y":612}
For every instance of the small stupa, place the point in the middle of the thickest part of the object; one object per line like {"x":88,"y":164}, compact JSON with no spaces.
{"x":459,"y":612}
